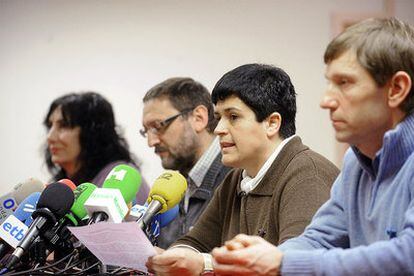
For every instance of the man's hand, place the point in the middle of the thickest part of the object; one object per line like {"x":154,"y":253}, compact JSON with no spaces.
{"x":247,"y":255}
{"x":176,"y":261}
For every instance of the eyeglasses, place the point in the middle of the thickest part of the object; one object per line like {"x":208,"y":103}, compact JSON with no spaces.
{"x":161,"y":126}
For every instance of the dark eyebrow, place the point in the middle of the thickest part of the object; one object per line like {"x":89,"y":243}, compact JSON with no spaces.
{"x":229,"y":109}
{"x":338,"y":75}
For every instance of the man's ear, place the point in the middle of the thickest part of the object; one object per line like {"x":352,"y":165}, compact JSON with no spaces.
{"x":273,"y":123}
{"x":199,"y":118}
{"x":400,"y":86}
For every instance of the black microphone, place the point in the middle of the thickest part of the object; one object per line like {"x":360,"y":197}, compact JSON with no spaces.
{"x":58,"y":238}
{"x":53,"y":204}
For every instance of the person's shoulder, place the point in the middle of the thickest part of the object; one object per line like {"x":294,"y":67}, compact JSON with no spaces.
{"x":303,"y":165}
{"x":230,"y":180}
{"x":407,"y":169}
{"x":304,"y":157}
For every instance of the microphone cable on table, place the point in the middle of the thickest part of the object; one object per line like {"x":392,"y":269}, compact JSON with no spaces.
{"x":30,"y":271}
{"x":86,"y":269}
{"x":78,"y":262}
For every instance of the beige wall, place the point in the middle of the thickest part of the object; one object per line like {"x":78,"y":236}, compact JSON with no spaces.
{"x":122,"y":48}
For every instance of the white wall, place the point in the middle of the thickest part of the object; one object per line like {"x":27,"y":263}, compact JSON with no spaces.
{"x":122,"y":48}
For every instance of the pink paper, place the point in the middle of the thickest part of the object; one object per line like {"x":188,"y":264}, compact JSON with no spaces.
{"x":118,"y":244}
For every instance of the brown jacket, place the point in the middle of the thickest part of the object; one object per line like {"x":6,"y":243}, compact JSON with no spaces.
{"x":279,"y":208}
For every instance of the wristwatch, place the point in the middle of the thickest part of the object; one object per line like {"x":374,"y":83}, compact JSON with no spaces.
{"x":208,"y":264}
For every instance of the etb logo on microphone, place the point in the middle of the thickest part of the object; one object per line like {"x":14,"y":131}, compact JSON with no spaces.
{"x":13,"y":231}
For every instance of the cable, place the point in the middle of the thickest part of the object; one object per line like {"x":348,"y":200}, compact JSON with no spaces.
{"x":68,"y":263}
{"x":86,"y":269}
{"x":116,"y":270}
{"x":127,"y":271}
{"x":132,"y":272}
{"x":42,"y":267}
{"x":73,"y":265}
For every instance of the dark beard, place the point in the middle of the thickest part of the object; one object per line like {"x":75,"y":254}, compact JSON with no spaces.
{"x":184,"y":163}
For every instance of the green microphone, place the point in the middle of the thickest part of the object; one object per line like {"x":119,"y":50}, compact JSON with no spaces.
{"x":82,"y":193}
{"x":126,"y":179}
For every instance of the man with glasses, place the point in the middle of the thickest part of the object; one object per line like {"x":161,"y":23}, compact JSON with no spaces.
{"x":178,"y":122}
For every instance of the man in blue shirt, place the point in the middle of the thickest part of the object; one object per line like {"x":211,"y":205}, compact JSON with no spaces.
{"x":367,"y":226}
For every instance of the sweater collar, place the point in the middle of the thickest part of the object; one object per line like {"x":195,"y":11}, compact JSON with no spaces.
{"x":398,"y":144}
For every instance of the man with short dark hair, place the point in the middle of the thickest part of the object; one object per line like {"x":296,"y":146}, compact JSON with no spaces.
{"x":279,"y":183}
{"x":178,"y":122}
{"x":367,"y":226}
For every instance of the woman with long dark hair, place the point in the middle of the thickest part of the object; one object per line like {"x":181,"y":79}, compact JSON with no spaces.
{"x":82,"y":141}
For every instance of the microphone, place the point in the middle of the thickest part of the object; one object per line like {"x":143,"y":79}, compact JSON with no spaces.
{"x":168,"y":216}
{"x":136,"y":212}
{"x":13,"y":229}
{"x":10,"y":201}
{"x":109,"y":203}
{"x":26,"y":208}
{"x":68,"y":183}
{"x":57,"y":239}
{"x":75,"y":216}
{"x":163,"y":219}
{"x":78,"y":211}
{"x":167,"y":191}
{"x":53,"y":204}
{"x":125,"y":178}
{"x":158,"y":221}
{"x":26,"y":188}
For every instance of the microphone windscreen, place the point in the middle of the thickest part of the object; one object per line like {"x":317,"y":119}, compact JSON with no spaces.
{"x":169,"y":188}
{"x":58,"y":198}
{"x":82,"y":194}
{"x":26,"y":188}
{"x":124,"y":178}
{"x":68,"y":183}
{"x":26,"y":208}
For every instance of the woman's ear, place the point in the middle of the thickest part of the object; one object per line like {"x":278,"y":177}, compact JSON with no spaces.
{"x":199,"y":118}
{"x":273,"y":123}
{"x":400,"y":87}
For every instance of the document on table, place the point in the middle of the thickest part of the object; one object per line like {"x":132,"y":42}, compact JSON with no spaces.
{"x":118,"y":244}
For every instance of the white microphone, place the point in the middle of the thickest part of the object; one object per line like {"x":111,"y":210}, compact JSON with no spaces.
{"x":106,"y":204}
{"x":10,"y":201}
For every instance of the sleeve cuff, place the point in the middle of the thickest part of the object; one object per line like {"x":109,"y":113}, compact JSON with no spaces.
{"x":184,"y":246}
{"x":300,"y":262}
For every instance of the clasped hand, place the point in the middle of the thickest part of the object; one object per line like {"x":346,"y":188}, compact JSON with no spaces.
{"x":247,"y":255}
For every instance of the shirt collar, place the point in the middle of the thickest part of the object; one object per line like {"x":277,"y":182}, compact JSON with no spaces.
{"x":199,"y":170}
{"x":247,"y":183}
